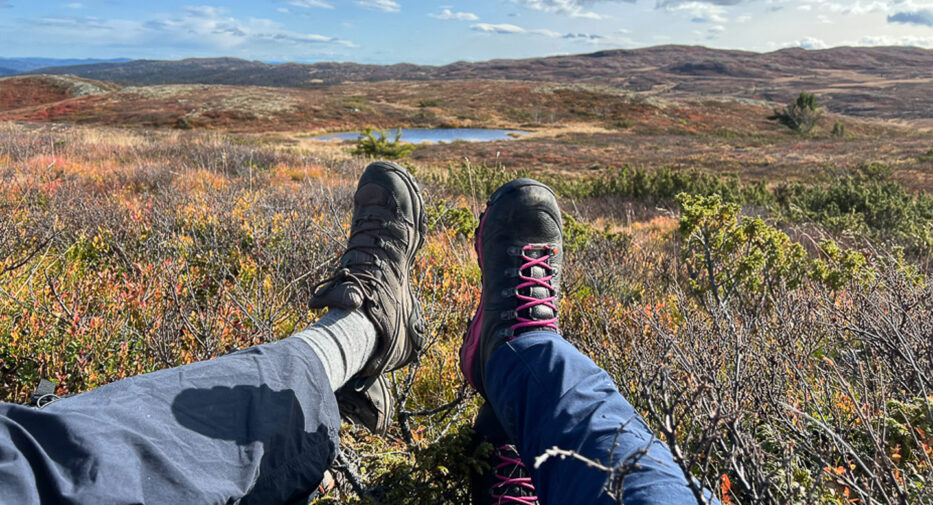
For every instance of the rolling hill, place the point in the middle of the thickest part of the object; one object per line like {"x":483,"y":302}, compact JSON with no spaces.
{"x":41,"y":90}
{"x":887,"y":82}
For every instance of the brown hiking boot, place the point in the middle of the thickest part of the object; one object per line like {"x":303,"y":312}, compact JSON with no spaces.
{"x":388,"y":228}
{"x":371,"y":406}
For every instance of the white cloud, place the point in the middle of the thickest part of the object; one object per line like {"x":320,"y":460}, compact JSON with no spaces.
{"x":75,"y":5}
{"x":905,"y":40}
{"x":502,"y":28}
{"x":380,"y":5}
{"x":459,"y":16}
{"x":810,"y":43}
{"x":204,"y":27}
{"x":507,"y":29}
{"x":311,"y":3}
{"x":572,"y":8}
{"x":699,"y":12}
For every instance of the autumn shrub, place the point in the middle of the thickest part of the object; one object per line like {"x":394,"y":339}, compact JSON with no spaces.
{"x":804,"y":376}
{"x":782,"y":378}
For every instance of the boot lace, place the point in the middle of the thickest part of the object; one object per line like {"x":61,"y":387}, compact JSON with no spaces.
{"x":513,"y":480}
{"x":374,"y":228}
{"x":530,"y":282}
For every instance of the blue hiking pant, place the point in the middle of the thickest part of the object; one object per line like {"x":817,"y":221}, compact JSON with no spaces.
{"x":260,"y":426}
{"x":547,"y":394}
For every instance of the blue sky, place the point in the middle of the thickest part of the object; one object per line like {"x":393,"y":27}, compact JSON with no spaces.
{"x":430,"y":32}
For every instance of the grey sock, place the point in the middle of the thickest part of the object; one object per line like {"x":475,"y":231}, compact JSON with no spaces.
{"x":344,"y":341}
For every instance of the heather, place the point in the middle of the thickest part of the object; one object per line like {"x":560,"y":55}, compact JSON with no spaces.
{"x":775,"y":333}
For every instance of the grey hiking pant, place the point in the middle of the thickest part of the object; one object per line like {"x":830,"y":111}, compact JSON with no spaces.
{"x":258,"y":426}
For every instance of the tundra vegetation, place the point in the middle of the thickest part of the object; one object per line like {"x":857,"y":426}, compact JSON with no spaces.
{"x":776,"y":334}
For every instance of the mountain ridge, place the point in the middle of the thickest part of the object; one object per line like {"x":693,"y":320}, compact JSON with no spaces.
{"x":887,"y":82}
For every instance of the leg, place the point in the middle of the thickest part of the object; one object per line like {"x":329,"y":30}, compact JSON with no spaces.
{"x":546,"y":394}
{"x":260,"y":423}
{"x":256,"y":426}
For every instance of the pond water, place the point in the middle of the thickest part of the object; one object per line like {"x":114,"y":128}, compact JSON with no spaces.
{"x":436,"y":135}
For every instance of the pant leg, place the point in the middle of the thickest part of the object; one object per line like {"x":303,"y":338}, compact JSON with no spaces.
{"x":547,"y":393}
{"x":256,"y":426}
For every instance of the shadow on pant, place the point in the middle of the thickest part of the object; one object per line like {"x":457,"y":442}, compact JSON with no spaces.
{"x":285,"y":452}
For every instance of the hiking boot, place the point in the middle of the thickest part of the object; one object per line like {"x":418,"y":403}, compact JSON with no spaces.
{"x":506,"y":481}
{"x":519,"y":246}
{"x":372,"y":407}
{"x":388,"y":228}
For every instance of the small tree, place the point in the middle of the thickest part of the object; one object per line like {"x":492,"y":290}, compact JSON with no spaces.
{"x":375,"y":143}
{"x":800,"y":115}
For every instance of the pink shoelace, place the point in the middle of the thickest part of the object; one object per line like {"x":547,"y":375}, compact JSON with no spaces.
{"x":507,"y":481}
{"x":544,"y":282}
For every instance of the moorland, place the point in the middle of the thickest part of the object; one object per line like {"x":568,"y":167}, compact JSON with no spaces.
{"x":759,"y":292}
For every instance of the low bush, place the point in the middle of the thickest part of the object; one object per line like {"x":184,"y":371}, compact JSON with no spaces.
{"x":800,"y":115}
{"x":375,"y":144}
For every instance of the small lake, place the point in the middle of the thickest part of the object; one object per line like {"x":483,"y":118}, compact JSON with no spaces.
{"x":436,"y":135}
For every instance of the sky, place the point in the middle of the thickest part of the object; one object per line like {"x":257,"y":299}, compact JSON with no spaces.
{"x":431,"y":32}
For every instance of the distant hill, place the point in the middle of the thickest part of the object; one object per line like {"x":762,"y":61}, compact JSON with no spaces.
{"x":891,"y":82}
{"x":34,"y":90}
{"x":18,"y":65}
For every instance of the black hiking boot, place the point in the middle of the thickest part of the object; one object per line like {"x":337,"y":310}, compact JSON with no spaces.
{"x":519,"y":246}
{"x":507,"y":481}
{"x":372,"y":407}
{"x":387,"y":230}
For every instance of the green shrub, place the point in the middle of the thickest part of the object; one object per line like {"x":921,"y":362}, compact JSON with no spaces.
{"x":726,"y":255}
{"x":800,"y":115}
{"x":429,"y":102}
{"x":730,"y":256}
{"x":460,"y":219}
{"x":928,"y":157}
{"x":440,"y":473}
{"x":865,"y":200}
{"x":477,"y":181}
{"x":374,"y":143}
{"x":839,"y":129}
